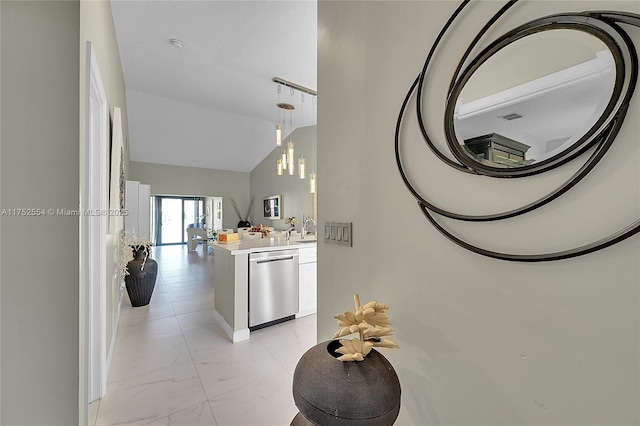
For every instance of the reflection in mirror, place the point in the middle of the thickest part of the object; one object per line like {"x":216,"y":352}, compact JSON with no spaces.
{"x":534,"y":98}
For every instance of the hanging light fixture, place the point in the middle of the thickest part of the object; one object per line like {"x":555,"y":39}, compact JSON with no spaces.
{"x":302,"y":166}
{"x":312,"y":183}
{"x":287,"y":159}
{"x":279,"y":134}
{"x":290,"y":150}
{"x":279,"y":124}
{"x":291,"y":158}
{"x":312,"y":175}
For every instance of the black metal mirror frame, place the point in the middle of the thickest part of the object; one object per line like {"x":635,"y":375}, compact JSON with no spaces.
{"x":602,"y":24}
{"x":587,"y":140}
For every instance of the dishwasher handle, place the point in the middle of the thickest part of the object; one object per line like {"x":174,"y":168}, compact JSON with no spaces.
{"x":271,"y":259}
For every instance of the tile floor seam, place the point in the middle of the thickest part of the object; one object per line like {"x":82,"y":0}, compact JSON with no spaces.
{"x":95,"y":417}
{"x":194,"y":364}
{"x":235,"y":389}
{"x":199,"y":379}
{"x":252,"y":382}
{"x":284,"y":367}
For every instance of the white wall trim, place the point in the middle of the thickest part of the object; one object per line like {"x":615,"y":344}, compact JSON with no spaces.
{"x":116,"y":324}
{"x":595,"y":68}
{"x":93,"y":228}
{"x":235,"y":336}
{"x":305,"y":312}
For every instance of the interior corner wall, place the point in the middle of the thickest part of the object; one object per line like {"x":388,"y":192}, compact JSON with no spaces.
{"x":296,"y":198}
{"x":482,"y":341}
{"x":39,"y":170}
{"x":181,"y":180}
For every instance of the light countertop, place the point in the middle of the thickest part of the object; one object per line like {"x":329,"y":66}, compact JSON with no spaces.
{"x":264,"y":244}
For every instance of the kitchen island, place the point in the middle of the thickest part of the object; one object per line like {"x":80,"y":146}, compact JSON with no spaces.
{"x":231,"y":280}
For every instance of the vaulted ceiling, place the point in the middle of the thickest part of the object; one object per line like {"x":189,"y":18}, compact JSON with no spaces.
{"x":212,"y":102}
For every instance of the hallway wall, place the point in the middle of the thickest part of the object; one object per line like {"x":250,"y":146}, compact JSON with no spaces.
{"x":39,"y":169}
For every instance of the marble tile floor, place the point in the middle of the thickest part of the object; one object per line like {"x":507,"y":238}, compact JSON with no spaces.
{"x":174,"y":365}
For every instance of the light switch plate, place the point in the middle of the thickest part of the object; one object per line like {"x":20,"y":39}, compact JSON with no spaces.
{"x":338,"y":233}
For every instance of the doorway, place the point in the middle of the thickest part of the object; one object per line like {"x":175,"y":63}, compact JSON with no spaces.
{"x":173,"y":215}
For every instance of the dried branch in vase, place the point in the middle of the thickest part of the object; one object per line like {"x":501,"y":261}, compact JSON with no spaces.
{"x":371,"y":323}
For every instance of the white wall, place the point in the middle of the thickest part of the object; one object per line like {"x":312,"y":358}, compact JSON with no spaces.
{"x":482,"y":341}
{"x":296,"y":198}
{"x":180,"y":180}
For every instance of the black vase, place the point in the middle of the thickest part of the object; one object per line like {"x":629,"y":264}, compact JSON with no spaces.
{"x":328,"y":391}
{"x":244,"y":224}
{"x":141,"y":279}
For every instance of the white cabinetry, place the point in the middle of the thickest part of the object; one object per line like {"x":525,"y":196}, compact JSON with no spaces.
{"x":137,"y":202}
{"x":308,"y":281}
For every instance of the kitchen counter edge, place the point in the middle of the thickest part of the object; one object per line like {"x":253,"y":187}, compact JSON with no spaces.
{"x":265,"y":244}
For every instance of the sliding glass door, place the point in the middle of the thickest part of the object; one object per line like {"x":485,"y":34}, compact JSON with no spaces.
{"x":193,"y":213}
{"x":174,"y":215}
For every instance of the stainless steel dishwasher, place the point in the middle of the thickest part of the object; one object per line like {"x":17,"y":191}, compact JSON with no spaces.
{"x":273,"y":287}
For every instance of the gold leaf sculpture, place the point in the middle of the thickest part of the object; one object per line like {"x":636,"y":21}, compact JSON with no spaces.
{"x":371,"y":323}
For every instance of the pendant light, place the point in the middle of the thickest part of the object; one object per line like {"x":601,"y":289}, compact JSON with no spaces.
{"x":302,"y":165}
{"x":290,"y":149}
{"x":302,"y":168}
{"x":279,"y":134}
{"x":291,"y":157}
{"x":312,"y":175}
{"x":280,"y":123}
{"x":312,"y":183}
{"x":287,"y":160}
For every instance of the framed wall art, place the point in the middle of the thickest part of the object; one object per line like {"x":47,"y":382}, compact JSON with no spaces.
{"x":272,"y":207}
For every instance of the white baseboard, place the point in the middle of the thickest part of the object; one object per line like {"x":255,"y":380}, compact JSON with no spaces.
{"x":235,"y":335}
{"x":112,"y":345}
{"x":305,"y":312}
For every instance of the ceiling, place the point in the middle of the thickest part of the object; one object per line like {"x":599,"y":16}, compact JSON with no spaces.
{"x":212,"y":103}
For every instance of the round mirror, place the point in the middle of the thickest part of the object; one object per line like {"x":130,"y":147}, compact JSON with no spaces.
{"x":532,"y":100}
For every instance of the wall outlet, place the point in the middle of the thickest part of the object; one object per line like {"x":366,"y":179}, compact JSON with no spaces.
{"x":338,"y":233}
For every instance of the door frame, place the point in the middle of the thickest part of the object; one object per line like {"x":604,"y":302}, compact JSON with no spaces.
{"x":93,"y":230}
{"x":157,"y":216}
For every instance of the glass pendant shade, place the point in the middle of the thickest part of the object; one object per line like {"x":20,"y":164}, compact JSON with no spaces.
{"x":279,"y":166}
{"x":284,"y":159}
{"x":279,"y":134}
{"x":312,"y":183}
{"x":302,"y":167}
{"x":291,"y":158}
{"x":291,"y":152}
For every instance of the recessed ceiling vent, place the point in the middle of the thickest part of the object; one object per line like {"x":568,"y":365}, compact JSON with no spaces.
{"x":512,"y":116}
